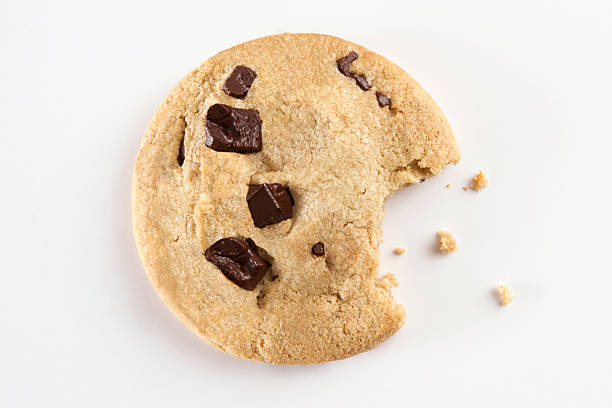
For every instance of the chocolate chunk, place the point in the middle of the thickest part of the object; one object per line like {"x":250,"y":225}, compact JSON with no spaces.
{"x":269,"y":203}
{"x":239,"y":261}
{"x":361,"y":82}
{"x":181,"y":154}
{"x":344,"y":63}
{"x":344,"y":66}
{"x":382,"y":100}
{"x":239,"y":82}
{"x":230,"y":129}
{"x":318,"y":249}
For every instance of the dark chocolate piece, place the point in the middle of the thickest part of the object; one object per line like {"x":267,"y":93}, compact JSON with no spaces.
{"x":361,"y":82}
{"x":382,"y":100}
{"x":269,"y":203}
{"x":238,"y":260}
{"x":344,"y":66}
{"x":230,"y":129}
{"x":344,"y":63}
{"x":318,"y":249}
{"x":181,"y":154}
{"x":239,"y":82}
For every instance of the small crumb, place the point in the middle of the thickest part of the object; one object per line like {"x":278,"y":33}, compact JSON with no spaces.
{"x":505,"y":295}
{"x":399,"y":251}
{"x":392,"y":279}
{"x":465,"y":188}
{"x":387,"y":282}
{"x":448,"y":186}
{"x":447,"y":242}
{"x":479,"y":181}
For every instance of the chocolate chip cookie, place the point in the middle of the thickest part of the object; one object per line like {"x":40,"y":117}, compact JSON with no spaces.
{"x":259,"y":188}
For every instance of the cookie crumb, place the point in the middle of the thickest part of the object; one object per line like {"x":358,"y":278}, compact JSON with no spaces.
{"x":387,"y":282}
{"x":399,"y":251}
{"x":447,"y":242}
{"x":448,"y":186}
{"x":479,"y":181}
{"x":505,"y":294}
{"x":465,"y":188}
{"x":392,"y":279}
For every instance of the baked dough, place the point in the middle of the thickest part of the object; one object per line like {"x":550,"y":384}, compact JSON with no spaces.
{"x":341,"y":150}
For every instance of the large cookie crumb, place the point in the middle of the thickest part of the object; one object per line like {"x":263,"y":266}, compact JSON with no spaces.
{"x":505,"y":294}
{"x":447,"y":242}
{"x":399,"y":251}
{"x":479,"y":181}
{"x":388,"y":281}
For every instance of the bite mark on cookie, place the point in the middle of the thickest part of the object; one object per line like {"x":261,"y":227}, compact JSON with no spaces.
{"x":388,"y":281}
{"x":413,"y":173}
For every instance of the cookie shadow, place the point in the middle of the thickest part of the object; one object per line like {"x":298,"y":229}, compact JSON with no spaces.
{"x":494,"y":296}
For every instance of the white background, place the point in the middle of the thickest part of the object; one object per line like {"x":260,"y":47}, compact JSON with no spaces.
{"x":526,"y":87}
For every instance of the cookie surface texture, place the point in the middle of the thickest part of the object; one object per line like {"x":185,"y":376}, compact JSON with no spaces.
{"x":340,"y":153}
